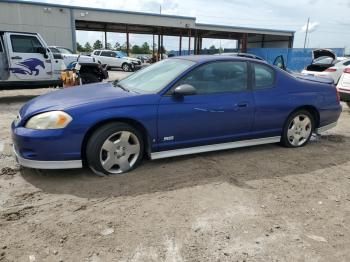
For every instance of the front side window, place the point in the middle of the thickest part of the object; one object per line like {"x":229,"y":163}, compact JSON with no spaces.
{"x":155,"y":77}
{"x":264,"y":76}
{"x":25,"y":44}
{"x":54,"y":50}
{"x":218,"y":77}
{"x":65,"y":51}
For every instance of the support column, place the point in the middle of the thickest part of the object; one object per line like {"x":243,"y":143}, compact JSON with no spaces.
{"x":180,"y":43}
{"x":127,"y":40}
{"x":105,"y":37}
{"x":195,"y":43}
{"x":245,"y":43}
{"x":189,"y":41}
{"x":263,"y":41}
{"x":161,"y":47}
{"x":153,"y":47}
{"x":158,"y":51}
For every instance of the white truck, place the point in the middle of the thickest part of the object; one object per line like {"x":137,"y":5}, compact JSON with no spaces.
{"x":26,"y":61}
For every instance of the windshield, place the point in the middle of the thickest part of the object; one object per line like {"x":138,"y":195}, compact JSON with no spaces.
{"x":324,"y":60}
{"x":121,"y":54}
{"x":65,"y":51}
{"x":154,"y":78}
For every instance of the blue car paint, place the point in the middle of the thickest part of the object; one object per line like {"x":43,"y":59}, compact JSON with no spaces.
{"x":191,"y":121}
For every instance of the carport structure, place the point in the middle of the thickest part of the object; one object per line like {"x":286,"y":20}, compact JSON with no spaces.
{"x":58,"y":25}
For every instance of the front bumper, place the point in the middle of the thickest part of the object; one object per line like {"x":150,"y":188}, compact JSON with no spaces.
{"x":37,"y":164}
{"x":47,"y":149}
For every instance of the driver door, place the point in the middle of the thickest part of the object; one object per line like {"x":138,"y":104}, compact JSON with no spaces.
{"x":221,"y":111}
{"x":25,"y":61}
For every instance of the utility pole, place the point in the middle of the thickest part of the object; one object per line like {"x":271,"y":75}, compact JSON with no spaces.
{"x":160,"y":9}
{"x":307,"y":30}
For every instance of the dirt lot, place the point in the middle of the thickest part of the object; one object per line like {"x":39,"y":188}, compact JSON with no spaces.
{"x":264,"y":203}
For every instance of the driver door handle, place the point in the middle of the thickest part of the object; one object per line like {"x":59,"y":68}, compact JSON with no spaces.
{"x":242,"y":105}
{"x":16,"y":57}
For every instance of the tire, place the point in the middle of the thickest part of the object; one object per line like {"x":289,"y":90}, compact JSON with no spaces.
{"x":126,"y":67}
{"x":298,"y":134}
{"x":88,"y":78}
{"x":114,"y":148}
{"x":348,"y":103}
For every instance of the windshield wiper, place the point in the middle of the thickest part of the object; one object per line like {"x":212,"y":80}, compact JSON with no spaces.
{"x":122,"y":87}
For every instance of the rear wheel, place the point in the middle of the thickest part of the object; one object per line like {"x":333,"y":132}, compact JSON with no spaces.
{"x":114,"y":149}
{"x":298,"y":129}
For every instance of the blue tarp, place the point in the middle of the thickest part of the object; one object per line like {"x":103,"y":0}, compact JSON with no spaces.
{"x":296,"y":59}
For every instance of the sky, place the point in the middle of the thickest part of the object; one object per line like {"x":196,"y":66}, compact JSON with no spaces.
{"x":329,"y":20}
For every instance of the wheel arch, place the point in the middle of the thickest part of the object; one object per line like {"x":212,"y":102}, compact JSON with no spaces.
{"x":132,"y":122}
{"x":312,"y":110}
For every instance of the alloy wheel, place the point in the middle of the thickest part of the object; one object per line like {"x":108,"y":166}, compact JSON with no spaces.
{"x":299,"y":130}
{"x":120,"y":152}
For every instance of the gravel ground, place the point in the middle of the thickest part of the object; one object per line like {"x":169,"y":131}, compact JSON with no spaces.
{"x":263,"y":203}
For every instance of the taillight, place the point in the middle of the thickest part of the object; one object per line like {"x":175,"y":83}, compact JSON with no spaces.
{"x":338,"y":95}
{"x":331,"y":70}
{"x":347,"y":70}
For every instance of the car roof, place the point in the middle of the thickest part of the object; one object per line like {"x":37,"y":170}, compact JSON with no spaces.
{"x":207,"y":58}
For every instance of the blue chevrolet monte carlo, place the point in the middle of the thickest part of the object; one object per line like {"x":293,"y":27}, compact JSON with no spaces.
{"x":175,"y":107}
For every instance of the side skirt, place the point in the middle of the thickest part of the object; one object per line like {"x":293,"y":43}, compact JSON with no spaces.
{"x":214,"y":147}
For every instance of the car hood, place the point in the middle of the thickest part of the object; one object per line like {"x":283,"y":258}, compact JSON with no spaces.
{"x":323,"y":52}
{"x":72,"y":97}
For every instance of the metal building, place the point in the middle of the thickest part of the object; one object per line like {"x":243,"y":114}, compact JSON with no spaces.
{"x":58,"y":24}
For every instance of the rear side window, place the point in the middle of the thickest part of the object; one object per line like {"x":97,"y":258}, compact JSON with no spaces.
{"x":218,"y":77}
{"x":108,"y":53}
{"x":25,"y":44}
{"x":97,"y":52}
{"x":264,"y":76}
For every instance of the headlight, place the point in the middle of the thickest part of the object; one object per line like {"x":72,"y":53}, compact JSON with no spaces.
{"x":49,"y":120}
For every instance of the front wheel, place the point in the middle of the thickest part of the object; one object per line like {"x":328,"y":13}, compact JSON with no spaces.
{"x":298,"y":129}
{"x":126,"y":67}
{"x":114,"y":149}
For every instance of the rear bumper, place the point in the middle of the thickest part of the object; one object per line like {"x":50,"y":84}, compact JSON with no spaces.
{"x":46,"y":164}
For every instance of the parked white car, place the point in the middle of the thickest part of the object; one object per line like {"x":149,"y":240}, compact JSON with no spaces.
{"x":116,"y":59}
{"x":344,"y":86}
{"x":325,"y":63}
{"x":69,"y":57}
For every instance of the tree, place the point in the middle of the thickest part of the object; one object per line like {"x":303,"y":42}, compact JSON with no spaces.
{"x":109,"y":46}
{"x":98,"y":44}
{"x":80,"y":48}
{"x":136,"y":49}
{"x":145,"y":48}
{"x":87,"y":47}
{"x":212,"y":47}
{"x":117,"y":46}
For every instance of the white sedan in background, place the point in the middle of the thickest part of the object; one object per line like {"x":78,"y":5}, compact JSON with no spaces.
{"x":325,"y":63}
{"x":344,"y":86}
{"x":116,"y":59}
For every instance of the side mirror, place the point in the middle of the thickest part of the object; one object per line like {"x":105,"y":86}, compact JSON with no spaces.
{"x":42,"y":50}
{"x":184,"y":90}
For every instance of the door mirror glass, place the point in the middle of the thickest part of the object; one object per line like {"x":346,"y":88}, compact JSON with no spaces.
{"x":184,"y":90}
